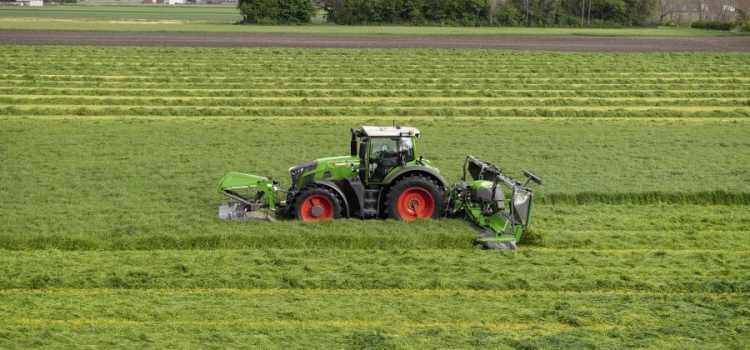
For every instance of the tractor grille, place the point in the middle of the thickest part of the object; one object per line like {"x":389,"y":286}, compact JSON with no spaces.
{"x":298,"y":170}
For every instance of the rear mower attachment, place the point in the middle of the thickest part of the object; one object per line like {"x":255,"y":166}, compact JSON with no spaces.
{"x":498,"y":206}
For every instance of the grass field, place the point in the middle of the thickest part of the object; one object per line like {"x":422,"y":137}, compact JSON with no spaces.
{"x":220,"y":19}
{"x":199,"y":13}
{"x":109,"y":158}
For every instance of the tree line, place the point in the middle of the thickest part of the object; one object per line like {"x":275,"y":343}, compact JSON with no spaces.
{"x":685,"y":12}
{"x":531,"y":13}
{"x":512,"y":13}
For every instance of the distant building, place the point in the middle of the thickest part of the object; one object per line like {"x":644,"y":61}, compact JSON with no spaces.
{"x":165,"y":2}
{"x":30,"y":2}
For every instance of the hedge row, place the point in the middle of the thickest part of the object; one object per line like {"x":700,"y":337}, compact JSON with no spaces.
{"x":713,"y":25}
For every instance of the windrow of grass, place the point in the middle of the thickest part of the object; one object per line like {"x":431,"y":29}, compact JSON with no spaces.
{"x":410,"y":59}
{"x":257,"y":83}
{"x":655,"y":272}
{"x":137,"y":90}
{"x":364,"y":319}
{"x":571,"y":229}
{"x":240,"y":102}
{"x":312,"y":112}
{"x":247,"y":66}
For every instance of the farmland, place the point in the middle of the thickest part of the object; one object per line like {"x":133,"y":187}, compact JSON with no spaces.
{"x":109,"y":158}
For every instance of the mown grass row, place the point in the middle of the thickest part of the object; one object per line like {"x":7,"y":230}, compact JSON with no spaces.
{"x":194,"y":82}
{"x":447,"y":234}
{"x":526,"y":270}
{"x":455,"y":78}
{"x":312,"y":112}
{"x":416,"y":58}
{"x":295,"y":319}
{"x":531,"y":92}
{"x":451,"y":85}
{"x":336,"y":68}
{"x":243,"y":102}
{"x":565,"y":63}
{"x":178,"y":74}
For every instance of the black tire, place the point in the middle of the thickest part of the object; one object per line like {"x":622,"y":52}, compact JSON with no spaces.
{"x":410,"y":183}
{"x":318,"y":192}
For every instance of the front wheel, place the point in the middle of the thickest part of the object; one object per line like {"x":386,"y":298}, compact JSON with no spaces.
{"x":415,"y":197}
{"x":316,"y":204}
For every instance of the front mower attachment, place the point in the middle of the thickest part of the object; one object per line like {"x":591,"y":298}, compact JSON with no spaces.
{"x":244,"y":212}
{"x":255,"y":196}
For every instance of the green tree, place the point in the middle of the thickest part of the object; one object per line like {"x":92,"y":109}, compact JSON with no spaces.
{"x":276,"y":11}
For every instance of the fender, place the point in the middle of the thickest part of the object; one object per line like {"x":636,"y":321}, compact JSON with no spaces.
{"x":332,"y":186}
{"x":416,"y":169}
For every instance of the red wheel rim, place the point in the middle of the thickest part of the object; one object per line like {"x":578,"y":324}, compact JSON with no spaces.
{"x":415,"y":203}
{"x":316,"y":208}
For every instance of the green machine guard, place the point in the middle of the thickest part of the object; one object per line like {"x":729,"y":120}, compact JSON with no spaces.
{"x":261,"y":206}
{"x":499,"y":206}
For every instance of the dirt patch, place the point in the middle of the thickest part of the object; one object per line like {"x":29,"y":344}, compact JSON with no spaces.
{"x":542,"y":43}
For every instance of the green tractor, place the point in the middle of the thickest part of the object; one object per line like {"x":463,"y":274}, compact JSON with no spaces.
{"x":384,"y":177}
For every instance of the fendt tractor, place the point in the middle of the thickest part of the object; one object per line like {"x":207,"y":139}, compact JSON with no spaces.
{"x":385,"y":176}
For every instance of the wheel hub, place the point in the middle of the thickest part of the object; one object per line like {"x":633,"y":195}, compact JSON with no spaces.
{"x":413,"y":204}
{"x":316,"y":211}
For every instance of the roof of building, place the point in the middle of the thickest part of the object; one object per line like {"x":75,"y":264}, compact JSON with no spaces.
{"x":374,"y":131}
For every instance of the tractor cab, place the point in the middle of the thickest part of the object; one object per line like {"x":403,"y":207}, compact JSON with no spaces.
{"x":382,"y":150}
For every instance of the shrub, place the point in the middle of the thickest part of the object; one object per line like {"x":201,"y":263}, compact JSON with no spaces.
{"x":712,"y":25}
{"x":741,"y":21}
{"x":269,"y":12}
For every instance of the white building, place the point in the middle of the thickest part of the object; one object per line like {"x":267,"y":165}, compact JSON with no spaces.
{"x":30,"y":2}
{"x":174,"y":2}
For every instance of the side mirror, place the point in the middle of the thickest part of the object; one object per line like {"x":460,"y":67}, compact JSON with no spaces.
{"x":353,"y":143}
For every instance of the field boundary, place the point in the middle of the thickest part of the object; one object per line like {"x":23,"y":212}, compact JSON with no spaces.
{"x":564,"y":43}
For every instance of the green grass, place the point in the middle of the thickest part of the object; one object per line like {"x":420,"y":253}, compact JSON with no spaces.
{"x":199,"y":13}
{"x":220,"y":19}
{"x":295,"y":319}
{"x":109,"y":158}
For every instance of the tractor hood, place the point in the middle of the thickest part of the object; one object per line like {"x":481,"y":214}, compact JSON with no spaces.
{"x":323,"y":168}
{"x":339,"y":161}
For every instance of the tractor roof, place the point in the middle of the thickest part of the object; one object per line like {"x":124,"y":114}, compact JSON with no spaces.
{"x":375,"y":131}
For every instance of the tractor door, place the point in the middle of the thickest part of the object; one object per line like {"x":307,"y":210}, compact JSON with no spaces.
{"x":387,"y":154}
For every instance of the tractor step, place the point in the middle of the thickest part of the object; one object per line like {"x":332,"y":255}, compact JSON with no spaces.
{"x":371,"y":202}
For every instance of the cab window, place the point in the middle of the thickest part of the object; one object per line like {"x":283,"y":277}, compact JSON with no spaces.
{"x":383,"y":157}
{"x":386,"y":153}
{"x":406,"y":149}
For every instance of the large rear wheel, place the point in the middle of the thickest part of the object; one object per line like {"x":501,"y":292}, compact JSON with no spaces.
{"x":316,"y":204}
{"x":415,"y":197}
